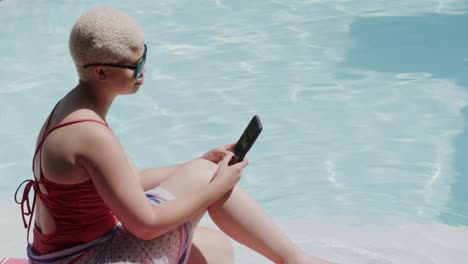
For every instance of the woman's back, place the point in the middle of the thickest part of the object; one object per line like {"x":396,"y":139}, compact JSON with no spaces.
{"x":69,"y":210}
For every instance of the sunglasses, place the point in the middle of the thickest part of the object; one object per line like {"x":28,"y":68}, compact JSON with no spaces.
{"x":138,"y":68}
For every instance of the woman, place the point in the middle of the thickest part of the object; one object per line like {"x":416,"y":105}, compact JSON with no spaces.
{"x":95,"y":206}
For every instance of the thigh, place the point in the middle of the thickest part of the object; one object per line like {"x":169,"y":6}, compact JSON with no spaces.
{"x":190,"y":177}
{"x":211,"y":246}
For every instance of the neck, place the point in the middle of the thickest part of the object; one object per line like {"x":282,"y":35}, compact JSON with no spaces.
{"x":95,"y":96}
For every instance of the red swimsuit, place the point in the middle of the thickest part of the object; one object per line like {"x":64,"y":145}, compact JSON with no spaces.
{"x":79,"y":212}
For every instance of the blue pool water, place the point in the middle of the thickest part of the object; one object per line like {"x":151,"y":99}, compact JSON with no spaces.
{"x":363,"y":102}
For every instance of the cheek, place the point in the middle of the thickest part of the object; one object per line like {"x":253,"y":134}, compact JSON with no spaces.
{"x":123,"y":75}
{"x":128,"y":78}
{"x":130,"y":75}
{"x":125,"y":81}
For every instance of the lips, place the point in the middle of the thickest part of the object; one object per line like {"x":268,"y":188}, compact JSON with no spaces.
{"x":140,"y":82}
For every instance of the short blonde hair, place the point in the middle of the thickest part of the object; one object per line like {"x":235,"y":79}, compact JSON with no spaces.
{"x":103,"y":35}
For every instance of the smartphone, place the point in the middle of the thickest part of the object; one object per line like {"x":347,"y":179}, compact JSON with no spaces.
{"x":247,"y":139}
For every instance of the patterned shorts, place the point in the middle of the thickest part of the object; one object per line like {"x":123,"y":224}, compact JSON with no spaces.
{"x":120,"y":246}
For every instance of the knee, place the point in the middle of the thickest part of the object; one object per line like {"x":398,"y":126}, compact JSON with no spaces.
{"x":203,"y":166}
{"x":203,"y":163}
{"x":202,"y":169}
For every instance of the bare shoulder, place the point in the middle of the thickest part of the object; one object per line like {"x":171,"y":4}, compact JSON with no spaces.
{"x":94,"y":136}
{"x":100,"y":151}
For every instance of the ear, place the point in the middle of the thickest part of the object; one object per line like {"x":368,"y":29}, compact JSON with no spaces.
{"x":101,"y":73}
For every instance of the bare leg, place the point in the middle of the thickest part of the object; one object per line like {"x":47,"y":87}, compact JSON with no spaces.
{"x":238,"y":215}
{"x":211,"y":247}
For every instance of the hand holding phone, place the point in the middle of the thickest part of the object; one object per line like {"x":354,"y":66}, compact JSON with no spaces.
{"x":227,"y":176}
{"x":247,"y":139}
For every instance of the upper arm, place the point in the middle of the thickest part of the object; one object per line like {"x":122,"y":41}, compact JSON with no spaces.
{"x":114,"y":177}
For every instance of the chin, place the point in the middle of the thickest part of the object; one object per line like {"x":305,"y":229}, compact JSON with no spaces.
{"x":135,"y":87}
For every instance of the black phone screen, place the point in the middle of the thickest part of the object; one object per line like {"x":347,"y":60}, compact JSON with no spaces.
{"x":247,"y":139}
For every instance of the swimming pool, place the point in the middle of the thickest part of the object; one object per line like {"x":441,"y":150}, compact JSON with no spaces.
{"x":363,"y":105}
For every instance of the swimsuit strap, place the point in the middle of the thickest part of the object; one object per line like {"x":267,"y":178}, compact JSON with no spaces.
{"x":74,"y":122}
{"x":49,"y":118}
{"x":27,"y":208}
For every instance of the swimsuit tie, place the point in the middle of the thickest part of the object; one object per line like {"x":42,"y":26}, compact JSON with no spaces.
{"x":27,"y":209}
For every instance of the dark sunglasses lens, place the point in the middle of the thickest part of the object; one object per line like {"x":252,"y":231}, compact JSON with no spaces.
{"x":140,"y":67}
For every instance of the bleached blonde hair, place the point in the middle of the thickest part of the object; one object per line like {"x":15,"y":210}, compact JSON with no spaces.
{"x":103,"y":35}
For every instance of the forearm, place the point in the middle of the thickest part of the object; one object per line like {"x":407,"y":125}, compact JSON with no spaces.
{"x":173,"y":213}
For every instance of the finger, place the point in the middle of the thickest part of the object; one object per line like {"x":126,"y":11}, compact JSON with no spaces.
{"x":227,"y":148}
{"x":230,"y":146}
{"x":243,"y":163}
{"x":227,"y":158}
